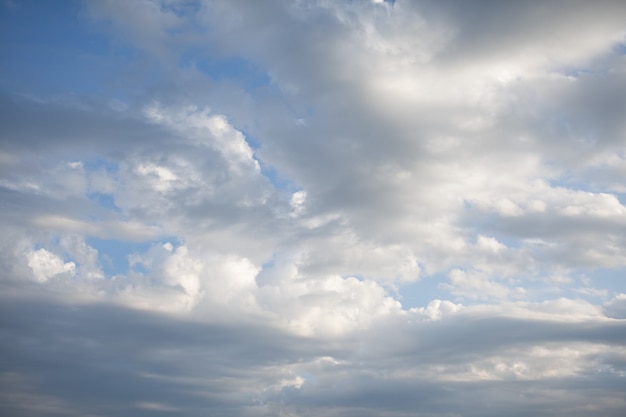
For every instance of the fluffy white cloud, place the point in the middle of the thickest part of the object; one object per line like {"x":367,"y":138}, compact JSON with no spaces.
{"x":46,"y":264}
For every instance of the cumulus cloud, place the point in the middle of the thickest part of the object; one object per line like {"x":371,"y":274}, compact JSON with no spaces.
{"x":46,"y":264}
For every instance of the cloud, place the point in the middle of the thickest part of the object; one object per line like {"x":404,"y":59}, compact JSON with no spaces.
{"x":46,"y":264}
{"x":319,"y":209}
{"x":616,"y":307}
{"x":191,"y":366}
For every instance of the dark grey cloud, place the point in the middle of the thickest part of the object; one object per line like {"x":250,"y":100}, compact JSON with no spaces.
{"x":108,"y":360}
{"x":488,"y":29}
{"x":105,"y":360}
{"x":71,"y":127}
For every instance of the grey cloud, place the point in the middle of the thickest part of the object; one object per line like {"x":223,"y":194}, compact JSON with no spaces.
{"x":555,"y":237}
{"x":67,"y":134}
{"x":488,"y":29}
{"x":515,"y":398}
{"x":109,"y":361}
{"x":70,"y":128}
{"x":106,"y":359}
{"x":616,"y":307}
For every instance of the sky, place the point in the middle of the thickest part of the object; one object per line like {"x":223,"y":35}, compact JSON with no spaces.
{"x":320,"y":208}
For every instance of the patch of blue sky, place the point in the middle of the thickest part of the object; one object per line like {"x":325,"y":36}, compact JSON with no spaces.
{"x":308,"y":377}
{"x":114,"y":254}
{"x":592,"y":180}
{"x":420,"y":293}
{"x":278,"y":180}
{"x":359,"y":277}
{"x":596,"y":286}
{"x":540,"y":287}
{"x":509,"y":240}
{"x":254,"y":143}
{"x":614,"y":280}
{"x":569,"y":181}
{"x":620,"y":195}
{"x":51,"y":48}
{"x":140,"y":269}
{"x":95,"y":164}
{"x":264,"y":276}
{"x":485,"y":223}
{"x":106,"y":201}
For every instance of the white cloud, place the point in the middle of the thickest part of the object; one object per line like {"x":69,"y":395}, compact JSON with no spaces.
{"x":437,"y":309}
{"x":323,"y":304}
{"x":476,"y":285}
{"x":46,"y":265}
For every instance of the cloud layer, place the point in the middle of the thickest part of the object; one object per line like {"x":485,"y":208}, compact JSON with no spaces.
{"x":289,"y":208}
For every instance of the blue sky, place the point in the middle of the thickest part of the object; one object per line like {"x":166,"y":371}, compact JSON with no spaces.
{"x":322,"y":208}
